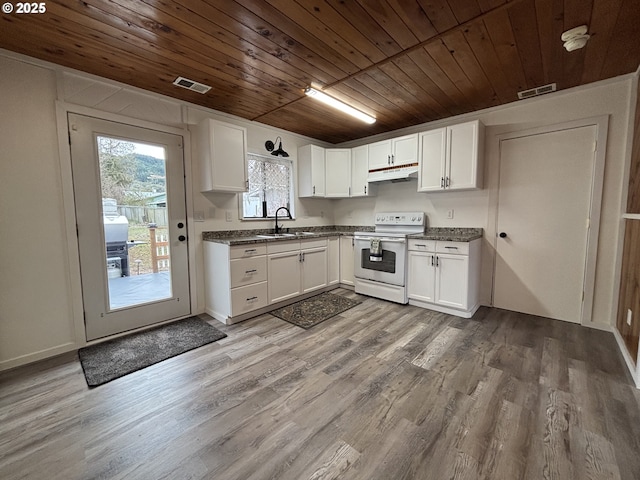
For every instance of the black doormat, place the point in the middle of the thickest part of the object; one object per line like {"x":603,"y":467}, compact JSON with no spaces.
{"x":312,"y":311}
{"x":107,"y":361}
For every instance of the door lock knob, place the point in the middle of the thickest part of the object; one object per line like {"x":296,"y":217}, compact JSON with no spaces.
{"x":503,"y":234}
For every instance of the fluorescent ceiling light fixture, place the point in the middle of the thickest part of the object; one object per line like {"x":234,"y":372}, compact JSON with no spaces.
{"x":335,"y":103}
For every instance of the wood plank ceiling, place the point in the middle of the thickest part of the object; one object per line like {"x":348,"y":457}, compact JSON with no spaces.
{"x":404,"y":61}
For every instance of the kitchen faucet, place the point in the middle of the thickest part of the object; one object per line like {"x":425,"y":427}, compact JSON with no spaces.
{"x":278,"y":228}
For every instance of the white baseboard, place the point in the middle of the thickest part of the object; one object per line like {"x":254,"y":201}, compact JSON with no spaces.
{"x":631,"y":365}
{"x":36,"y":356}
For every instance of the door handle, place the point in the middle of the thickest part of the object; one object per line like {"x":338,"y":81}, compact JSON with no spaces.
{"x":502,"y":234}
{"x":180,"y":225}
{"x":182,"y":238}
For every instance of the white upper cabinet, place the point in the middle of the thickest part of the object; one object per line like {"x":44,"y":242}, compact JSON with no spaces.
{"x":222,"y":155}
{"x":311,"y":171}
{"x":450,"y":158}
{"x":337,"y":172}
{"x":360,"y":171}
{"x":396,"y":152}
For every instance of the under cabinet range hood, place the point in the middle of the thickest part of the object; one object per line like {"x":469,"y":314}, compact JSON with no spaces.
{"x":397,"y":174}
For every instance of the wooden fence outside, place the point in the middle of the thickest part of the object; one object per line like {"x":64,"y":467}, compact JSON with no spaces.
{"x":144,"y":214}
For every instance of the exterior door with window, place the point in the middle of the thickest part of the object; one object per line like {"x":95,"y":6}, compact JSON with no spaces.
{"x":131,"y":222}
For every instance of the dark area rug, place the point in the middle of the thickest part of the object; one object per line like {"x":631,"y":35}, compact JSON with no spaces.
{"x":115,"y":358}
{"x":312,"y":311}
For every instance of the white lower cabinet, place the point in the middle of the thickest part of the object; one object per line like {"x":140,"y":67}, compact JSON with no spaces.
{"x":235,"y":279}
{"x":295,"y":267}
{"x":444,"y":276}
{"x":333,"y":260}
{"x":346,"y":261}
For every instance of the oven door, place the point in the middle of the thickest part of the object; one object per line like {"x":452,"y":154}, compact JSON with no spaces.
{"x":389,"y":267}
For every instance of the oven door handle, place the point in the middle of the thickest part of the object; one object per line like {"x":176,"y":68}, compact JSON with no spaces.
{"x":382,"y":239}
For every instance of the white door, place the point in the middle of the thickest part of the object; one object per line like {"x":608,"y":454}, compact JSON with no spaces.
{"x":359,"y":171}
{"x":346,"y":260}
{"x":543,"y":212}
{"x":452,"y":280}
{"x":433,"y":149}
{"x":462,"y":148}
{"x":337,"y":172}
{"x":284,"y":275}
{"x":314,"y":269}
{"x":379,"y":155}
{"x":405,"y":150}
{"x":131,"y":222}
{"x":421,"y":276}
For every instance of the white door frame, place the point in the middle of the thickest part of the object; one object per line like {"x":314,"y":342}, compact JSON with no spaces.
{"x":597,"y":181}
{"x":73,"y":252}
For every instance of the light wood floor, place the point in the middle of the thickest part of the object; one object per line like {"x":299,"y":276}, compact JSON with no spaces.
{"x":380,"y":392}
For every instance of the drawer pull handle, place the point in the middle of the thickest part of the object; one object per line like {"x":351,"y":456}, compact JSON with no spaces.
{"x":420,"y":245}
{"x":454,"y":248}
{"x":251,"y":298}
{"x":251,"y":271}
{"x":251,"y":250}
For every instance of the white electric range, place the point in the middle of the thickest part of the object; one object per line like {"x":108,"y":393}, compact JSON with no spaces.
{"x":380,"y":257}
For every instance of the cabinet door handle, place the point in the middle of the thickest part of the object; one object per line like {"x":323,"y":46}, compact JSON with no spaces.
{"x":303,"y":257}
{"x":432,"y":260}
{"x":314,"y":189}
{"x":365,"y":189}
{"x":349,"y":191}
{"x":393,"y":159}
{"x":446,"y":183}
{"x":437,"y":262}
{"x":248,"y":272}
{"x":251,"y":298}
{"x":441,"y":182}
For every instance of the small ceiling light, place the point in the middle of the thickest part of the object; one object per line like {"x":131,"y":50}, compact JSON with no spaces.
{"x":278,"y":152}
{"x":575,"y":38}
{"x":335,"y":103}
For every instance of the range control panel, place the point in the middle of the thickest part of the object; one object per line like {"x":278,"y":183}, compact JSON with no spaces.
{"x":400,"y":218}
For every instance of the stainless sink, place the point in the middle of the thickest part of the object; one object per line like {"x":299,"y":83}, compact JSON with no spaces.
{"x":285,"y":235}
{"x":277,"y":235}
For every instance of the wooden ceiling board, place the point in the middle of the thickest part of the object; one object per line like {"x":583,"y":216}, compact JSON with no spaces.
{"x":603,"y":20}
{"x":404,"y":61}
{"x":414,"y":18}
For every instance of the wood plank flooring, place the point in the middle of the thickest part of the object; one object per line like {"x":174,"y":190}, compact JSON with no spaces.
{"x":381,"y":391}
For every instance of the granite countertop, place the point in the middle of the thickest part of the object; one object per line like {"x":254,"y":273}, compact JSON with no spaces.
{"x":450,"y":234}
{"x":244,"y":237}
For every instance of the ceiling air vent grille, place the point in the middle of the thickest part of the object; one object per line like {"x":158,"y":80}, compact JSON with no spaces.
{"x":534,"y":92}
{"x":191,"y":85}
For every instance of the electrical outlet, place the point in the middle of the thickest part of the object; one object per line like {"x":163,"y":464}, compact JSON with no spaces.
{"x":629,"y":316}
{"x":227,"y":216}
{"x":450,"y":213}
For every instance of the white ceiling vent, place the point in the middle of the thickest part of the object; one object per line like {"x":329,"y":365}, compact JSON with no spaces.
{"x":533,"y":92}
{"x":191,"y":85}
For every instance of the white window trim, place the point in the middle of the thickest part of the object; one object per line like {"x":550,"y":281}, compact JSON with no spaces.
{"x":291,"y":191}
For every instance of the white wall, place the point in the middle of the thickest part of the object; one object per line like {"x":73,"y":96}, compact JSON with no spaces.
{"x":39,"y":290}
{"x":478,"y":209}
{"x":35,"y":308}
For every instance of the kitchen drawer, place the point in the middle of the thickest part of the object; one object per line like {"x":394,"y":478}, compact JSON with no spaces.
{"x":461,"y":248}
{"x":248,"y":298}
{"x":418,"y":245}
{"x":244,"y":251}
{"x":245,"y":271}
{"x":313,"y":243}
{"x":283,"y":246}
